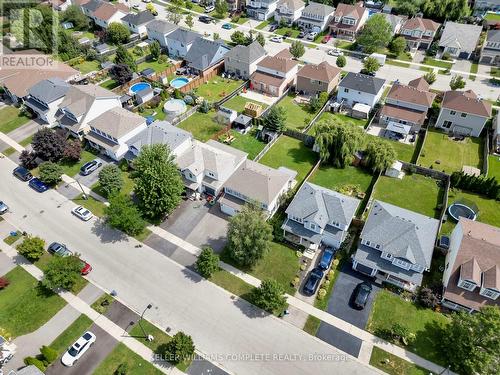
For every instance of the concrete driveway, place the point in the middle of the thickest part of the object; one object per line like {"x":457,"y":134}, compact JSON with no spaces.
{"x":92,"y":178}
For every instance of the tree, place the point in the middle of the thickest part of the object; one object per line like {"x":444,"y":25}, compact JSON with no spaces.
{"x":62,"y":272}
{"x":238,"y":37}
{"x":430,"y":77}
{"x":75,"y":15}
{"x":220,"y":9}
{"x":158,"y":183}
{"x":471,"y":342}
{"x":117,"y":33}
{"x":297,"y":49}
{"x":249,"y":236}
{"x":174,"y":14}
{"x":269,"y":296}
{"x":216,"y":36}
{"x":380,"y":154}
{"x":124,"y":57}
{"x":28,"y":159}
{"x":121,"y":73}
{"x":457,"y":82}
{"x":427,"y":298}
{"x":110,"y":179}
{"x":155,"y":50}
{"x":407,"y":7}
{"x":4,"y":282}
{"x":50,"y":173}
{"x":260,"y":38}
{"x":189,"y":21}
{"x":398,"y":45}
{"x":376,"y":34}
{"x":152,"y":9}
{"x":275,"y":119}
{"x":122,"y":214}
{"x":32,"y":248}
{"x":72,"y":150}
{"x":67,"y":46}
{"x":207,"y":262}
{"x":180,"y":348}
{"x":341,"y":61}
{"x":370,"y":65}
{"x":48,"y":144}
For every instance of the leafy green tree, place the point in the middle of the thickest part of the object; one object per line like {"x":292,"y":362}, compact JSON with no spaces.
{"x":380,"y":154}
{"x":122,"y":56}
{"x":297,"y":49}
{"x":67,"y":46}
{"x":216,"y":36}
{"x":238,"y":37}
{"x":275,"y":119}
{"x":407,"y":7}
{"x":50,"y":172}
{"x":121,"y":73}
{"x":430,"y":77}
{"x":117,"y":33}
{"x":110,"y":179}
{"x":155,"y":50}
{"x":62,"y":272}
{"x":32,"y":248}
{"x":75,"y":15}
{"x":49,"y":354}
{"x":179,"y":349}
{"x":189,"y":21}
{"x":457,"y":82}
{"x":260,"y":38}
{"x":48,"y":144}
{"x":122,"y":214}
{"x":207,"y":262}
{"x":269,"y":296}
{"x":152,"y":9}
{"x":174,"y":14}
{"x":376,"y":34}
{"x":370,"y":65}
{"x":341,"y":61}
{"x":398,"y":45}
{"x":249,"y":236}
{"x":158,"y":183}
{"x":220,"y":9}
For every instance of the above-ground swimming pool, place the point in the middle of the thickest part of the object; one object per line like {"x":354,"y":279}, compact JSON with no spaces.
{"x":135,"y":88}
{"x":177,"y":83}
{"x":174,"y":107}
{"x":458,"y":210}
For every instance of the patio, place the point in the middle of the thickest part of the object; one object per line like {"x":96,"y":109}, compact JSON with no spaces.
{"x":394,"y":132}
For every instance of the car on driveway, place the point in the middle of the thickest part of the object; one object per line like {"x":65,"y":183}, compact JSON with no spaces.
{"x":209,"y":8}
{"x":90,"y":167}
{"x":312,"y":35}
{"x":277,"y":39}
{"x":326,"y":39}
{"x":57,"y":248}
{"x":301,"y":34}
{"x":273,"y":27}
{"x":22,"y":173}
{"x":3,"y":208}
{"x":313,"y":281}
{"x":335,"y":52}
{"x":326,"y":258}
{"x":227,"y":26}
{"x":361,"y":294}
{"x":37,"y":185}
{"x":78,"y":349}
{"x":82,"y":213}
{"x":205,"y":19}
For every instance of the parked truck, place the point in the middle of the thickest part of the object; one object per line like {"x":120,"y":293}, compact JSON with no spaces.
{"x":379,"y":57}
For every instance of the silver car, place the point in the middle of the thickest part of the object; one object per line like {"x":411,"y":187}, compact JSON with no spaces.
{"x":82,"y":213}
{"x":3,"y":208}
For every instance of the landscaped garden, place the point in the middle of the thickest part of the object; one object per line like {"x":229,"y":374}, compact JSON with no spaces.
{"x":237,"y":103}
{"x":202,"y":125}
{"x":11,"y":118}
{"x":133,"y":363}
{"x":297,"y":115}
{"x":217,"y":88}
{"x":394,"y":365}
{"x":442,"y":153}
{"x":247,"y":143}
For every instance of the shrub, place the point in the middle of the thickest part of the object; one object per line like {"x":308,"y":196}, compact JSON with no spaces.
{"x":32,"y":248}
{"x":122,"y":369}
{"x":427,"y":298}
{"x":400,"y":332}
{"x":49,"y":353}
{"x":179,"y":348}
{"x":4,"y":283}
{"x":321,"y":294}
{"x":207,"y":263}
{"x":330,"y":275}
{"x":50,"y":173}
{"x":35,"y":362}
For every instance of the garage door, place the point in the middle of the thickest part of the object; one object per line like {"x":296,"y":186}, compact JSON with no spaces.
{"x":486,"y":60}
{"x":228,"y":210}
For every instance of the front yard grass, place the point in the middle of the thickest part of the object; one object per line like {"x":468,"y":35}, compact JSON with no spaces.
{"x":25,"y":305}
{"x":415,"y":192}
{"x":44,"y":261}
{"x":217,"y":88}
{"x":127,"y":188}
{"x":442,"y":153}
{"x":394,"y":365}
{"x":11,"y":118}
{"x":389,"y":308}
{"x":293,"y":33}
{"x":293,"y":154}
{"x":72,"y":168}
{"x":494,"y":167}
{"x":232,"y":284}
{"x":237,"y":103}
{"x":10,"y":240}
{"x":495,"y":72}
{"x":71,"y":334}
{"x":297,"y":115}
{"x":473,"y":69}
{"x":102,"y":304}
{"x":122,"y":354}
{"x":92,"y":204}
{"x":437,"y":63}
{"x":88,"y":66}
{"x":202,"y":125}
{"x":262,"y":25}
{"x":247,"y":143}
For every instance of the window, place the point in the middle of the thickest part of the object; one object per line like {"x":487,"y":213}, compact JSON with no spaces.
{"x":312,"y":226}
{"x":401,"y":263}
{"x":463,"y":114}
{"x":447,"y":124}
{"x":453,"y":113}
{"x":367,"y":243}
{"x":489,"y":293}
{"x":377,"y":246}
{"x":467,"y":285}
{"x":346,"y":90}
{"x":387,"y":256}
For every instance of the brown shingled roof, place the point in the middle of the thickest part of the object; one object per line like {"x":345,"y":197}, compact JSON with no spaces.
{"x":106,"y":11}
{"x":323,"y":72}
{"x":470,"y":270}
{"x":267,"y":79}
{"x":466,"y":101}
{"x":278,"y":63}
{"x":419,"y":84}
{"x":421,"y":23}
{"x":417,"y":117}
{"x":348,"y":10}
{"x":410,"y":94}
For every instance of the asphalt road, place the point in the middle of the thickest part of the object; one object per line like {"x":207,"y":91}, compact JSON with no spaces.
{"x":232,"y":332}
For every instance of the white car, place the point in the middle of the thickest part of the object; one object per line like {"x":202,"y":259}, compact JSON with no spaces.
{"x":335,"y":52}
{"x":136,"y":7}
{"x":312,"y":35}
{"x":209,"y":9}
{"x":78,"y":349}
{"x":146,"y":1}
{"x":3,"y":208}
{"x":82,"y":213}
{"x":277,"y":39}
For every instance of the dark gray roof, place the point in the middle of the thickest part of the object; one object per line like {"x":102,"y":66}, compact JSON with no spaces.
{"x":243,"y":119}
{"x":102,"y":47}
{"x":147,"y":72}
{"x":183,"y":36}
{"x":319,"y":9}
{"x":159,"y":132}
{"x":462,"y":36}
{"x":299,"y":230}
{"x":202,"y":53}
{"x":493,"y":36}
{"x":49,"y":90}
{"x":362,"y":82}
{"x":139,"y":18}
{"x":247,"y":54}
{"x":92,"y":5}
{"x":162,"y":27}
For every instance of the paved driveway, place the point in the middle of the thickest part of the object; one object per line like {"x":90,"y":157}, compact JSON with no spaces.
{"x":92,"y":178}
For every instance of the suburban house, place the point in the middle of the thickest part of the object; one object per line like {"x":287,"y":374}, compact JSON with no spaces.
{"x":274,"y":74}
{"x":261,"y":10}
{"x":471,"y":278}
{"x":459,"y":40}
{"x":319,"y":216}
{"x":348,"y":20}
{"x":108,"y":13}
{"x":395,"y":21}
{"x":419,"y":32}
{"x":360,"y":88}
{"x":288,"y":11}
{"x":160,"y":132}
{"x":205,"y":167}
{"x":407,"y":105}
{"x":158,"y":30}
{"x":490,"y":54}
{"x":110,"y":131}
{"x":89,"y":6}
{"x":137,"y":22}
{"x":481,"y":6}
{"x":204,"y":54}
{"x":396,"y":245}
{"x":315,"y":17}
{"x":256,"y":183}
{"x":315,"y":79}
{"x":44,"y":98}
{"x":462,"y":112}
{"x":235,"y":5}
{"x":496,"y":135}
{"x":242,"y":60}
{"x":180,"y":41}
{"x":82,"y":104}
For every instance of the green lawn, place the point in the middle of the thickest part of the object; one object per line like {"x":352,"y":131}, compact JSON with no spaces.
{"x":102,"y":304}
{"x":110,"y":84}
{"x":157,"y":112}
{"x":88,"y":66}
{"x":473,"y":69}
{"x":95,"y":206}
{"x":25,"y":305}
{"x":72,"y":168}
{"x":202,"y":125}
{"x":217,"y":88}
{"x":414,"y":192}
{"x":437,"y":63}
{"x":337,"y":117}
{"x":11,"y":118}
{"x":128,"y":185}
{"x":404,"y":151}
{"x":426,"y":324}
{"x":494,"y":167}
{"x":9,"y":240}
{"x":397,"y":63}
{"x":297,"y":115}
{"x":444,"y":154}
{"x":344,"y":44}
{"x":155,"y":65}
{"x":490,"y":16}
{"x":262,"y":25}
{"x":247,"y":143}
{"x":342,"y":179}
{"x":44,"y":261}
{"x":71,"y":334}
{"x":283,"y":30}
{"x":394,"y":365}
{"x":237,"y":103}
{"x":495,"y":72}
{"x":135,"y":364}
{"x":293,"y":154}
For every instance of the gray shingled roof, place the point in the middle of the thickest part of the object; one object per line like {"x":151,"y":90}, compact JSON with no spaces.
{"x":159,"y":132}
{"x":202,"y":53}
{"x":319,"y":9}
{"x":493,"y":36}
{"x":247,"y":54}
{"x":92,"y":5}
{"x":362,"y":82}
{"x":459,"y":35}
{"x":49,"y":90}
{"x":183,"y":36}
{"x":162,"y":27}
{"x":139,"y":18}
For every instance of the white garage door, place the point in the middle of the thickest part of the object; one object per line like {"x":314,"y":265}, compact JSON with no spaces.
{"x":228,"y":210}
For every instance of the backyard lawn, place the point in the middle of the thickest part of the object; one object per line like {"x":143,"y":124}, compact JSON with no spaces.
{"x":25,"y":305}
{"x":342,"y":179}
{"x":414,"y":192}
{"x":394,"y":365}
{"x":337,"y":117}
{"x":202,"y":125}
{"x":11,"y":118}
{"x":442,"y":153}
{"x":247,"y":143}
{"x":110,"y":84}
{"x":217,"y":88}
{"x":293,"y":154}
{"x":71,"y":334}
{"x":297,"y":115}
{"x":404,"y":151}
{"x":494,"y":167}
{"x":490,"y":16}
{"x":426,"y":324}
{"x":122,"y":354}
{"x":237,"y":103}
{"x":88,"y":66}
{"x":155,"y":65}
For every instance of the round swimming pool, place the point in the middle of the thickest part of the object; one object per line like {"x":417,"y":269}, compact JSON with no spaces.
{"x":174,"y":107}
{"x":177,"y":83}
{"x":138,"y":87}
{"x":458,"y":210}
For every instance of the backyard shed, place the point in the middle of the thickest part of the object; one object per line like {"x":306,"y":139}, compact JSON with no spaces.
{"x":243,"y":123}
{"x":226,"y":115}
{"x":395,"y":170}
{"x":360,"y":110}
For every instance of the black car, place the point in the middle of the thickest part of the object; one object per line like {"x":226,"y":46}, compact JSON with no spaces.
{"x":273,"y":27}
{"x":313,"y":281}
{"x":205,"y":19}
{"x":22,"y":173}
{"x":301,"y":34}
{"x":361,"y":294}
{"x":90,"y":167}
{"x":363,"y":71}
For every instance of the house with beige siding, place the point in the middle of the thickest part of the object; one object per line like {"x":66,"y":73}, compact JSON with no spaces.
{"x":315,"y":79}
{"x":348,"y":20}
{"x":288,"y":11}
{"x":419,"y":32}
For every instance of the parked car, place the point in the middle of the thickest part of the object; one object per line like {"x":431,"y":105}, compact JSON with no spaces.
{"x":57,"y":248}
{"x":82,"y":213}
{"x":444,"y":242}
{"x":37,"y":185}
{"x":90,"y":167}
{"x":312,"y":35}
{"x":313,"y":281}
{"x":301,"y":34}
{"x":326,"y":258}
{"x":227,"y":26}
{"x":3,"y":208}
{"x":335,"y":52}
{"x":78,"y":349}
{"x":273,"y":27}
{"x":146,"y":1}
{"x":86,"y":268}
{"x":22,"y":173}
{"x":361,"y":294}
{"x":209,"y":8}
{"x":136,"y":6}
{"x":204,"y":19}
{"x":277,"y":39}
{"x":372,"y":74}
{"x":326,"y":39}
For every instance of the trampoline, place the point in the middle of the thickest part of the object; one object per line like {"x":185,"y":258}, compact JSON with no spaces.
{"x":460,"y":209}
